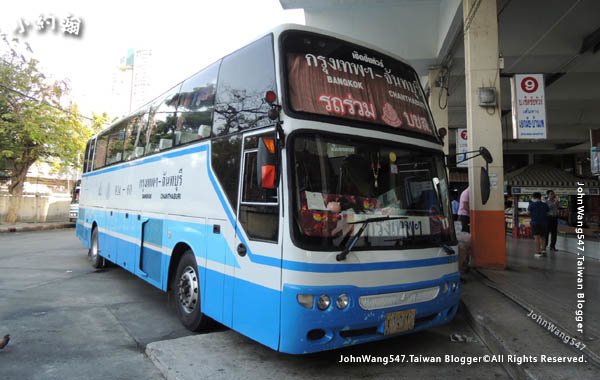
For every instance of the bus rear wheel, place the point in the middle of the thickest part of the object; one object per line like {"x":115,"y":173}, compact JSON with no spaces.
{"x":96,"y":260}
{"x":186,"y":286}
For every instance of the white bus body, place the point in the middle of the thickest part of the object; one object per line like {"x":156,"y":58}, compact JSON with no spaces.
{"x":266,"y":260}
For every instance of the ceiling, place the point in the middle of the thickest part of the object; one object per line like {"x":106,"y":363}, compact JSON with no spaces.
{"x":535,"y":36}
{"x":543,"y":36}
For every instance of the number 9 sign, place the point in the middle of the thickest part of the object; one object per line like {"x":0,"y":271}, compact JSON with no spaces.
{"x":529,"y":84}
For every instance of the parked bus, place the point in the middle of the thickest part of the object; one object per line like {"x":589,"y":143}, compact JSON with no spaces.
{"x":294,"y":191}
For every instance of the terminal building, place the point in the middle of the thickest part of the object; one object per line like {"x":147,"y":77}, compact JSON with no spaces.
{"x":520,"y":78}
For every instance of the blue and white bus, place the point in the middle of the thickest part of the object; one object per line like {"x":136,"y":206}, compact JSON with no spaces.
{"x":294,"y":191}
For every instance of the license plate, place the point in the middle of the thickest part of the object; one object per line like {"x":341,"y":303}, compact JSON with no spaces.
{"x":399,"y":321}
{"x":398,"y":228}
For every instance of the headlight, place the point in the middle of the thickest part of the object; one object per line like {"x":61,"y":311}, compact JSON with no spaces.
{"x":445,"y":288}
{"x":306,"y":300}
{"x":454,"y":286}
{"x":342,"y":301}
{"x":323,"y":302}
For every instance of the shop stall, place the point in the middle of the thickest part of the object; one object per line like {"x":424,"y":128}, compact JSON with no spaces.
{"x":572,"y":193}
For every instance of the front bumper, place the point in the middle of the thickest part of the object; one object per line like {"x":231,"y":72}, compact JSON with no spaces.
{"x":305,"y":330}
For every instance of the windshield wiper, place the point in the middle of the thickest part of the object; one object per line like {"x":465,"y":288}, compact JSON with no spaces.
{"x":342,"y":256}
{"x":449,"y":250}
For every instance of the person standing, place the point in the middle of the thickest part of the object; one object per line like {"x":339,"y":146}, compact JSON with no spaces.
{"x":538,"y":212}
{"x":464,"y":211}
{"x":455,"y":207}
{"x":553,"y":204}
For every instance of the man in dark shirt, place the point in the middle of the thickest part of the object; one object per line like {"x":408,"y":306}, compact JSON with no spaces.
{"x":553,"y":205}
{"x":538,"y":211}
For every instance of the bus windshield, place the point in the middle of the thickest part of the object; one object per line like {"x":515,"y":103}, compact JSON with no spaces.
{"x":339,"y":182}
{"x":329,"y":78}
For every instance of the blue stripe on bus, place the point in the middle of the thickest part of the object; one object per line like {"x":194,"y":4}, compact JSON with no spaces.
{"x":125,"y":165}
{"x":385,"y":265}
{"x":272,"y":261}
{"x":230,"y":259}
{"x":182,"y":232}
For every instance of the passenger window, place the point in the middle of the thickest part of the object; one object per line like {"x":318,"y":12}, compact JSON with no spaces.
{"x":130,"y":135}
{"x":163,"y":132}
{"x":90,"y":157}
{"x":86,"y":156}
{"x":100,"y":152}
{"x":162,"y":122}
{"x":196,"y":105}
{"x":137,"y":139}
{"x":116,"y":139}
{"x":240,"y":103}
{"x":225,"y":162}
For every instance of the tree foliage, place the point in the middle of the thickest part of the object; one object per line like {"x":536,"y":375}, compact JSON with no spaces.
{"x":33,"y":123}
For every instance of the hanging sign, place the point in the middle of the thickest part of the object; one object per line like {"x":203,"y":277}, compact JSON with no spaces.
{"x":528,"y":106}
{"x":461,"y":148}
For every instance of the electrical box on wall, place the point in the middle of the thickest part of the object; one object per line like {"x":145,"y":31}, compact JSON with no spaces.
{"x":487,"y":96}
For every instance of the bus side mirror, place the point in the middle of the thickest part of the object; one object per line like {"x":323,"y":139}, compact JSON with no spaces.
{"x":266,"y":168}
{"x":484,"y":178}
{"x":484,"y":184}
{"x":487,"y":156}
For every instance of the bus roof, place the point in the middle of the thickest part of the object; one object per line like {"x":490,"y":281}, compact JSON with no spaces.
{"x":276,"y":31}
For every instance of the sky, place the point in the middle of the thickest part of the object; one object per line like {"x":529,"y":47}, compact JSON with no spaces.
{"x":184,"y":37}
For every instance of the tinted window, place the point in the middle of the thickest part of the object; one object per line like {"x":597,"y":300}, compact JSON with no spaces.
{"x":86,"y":159}
{"x":225,"y":161}
{"x":196,"y":105}
{"x":134,"y":148}
{"x":100,"y":151}
{"x":91,"y":153}
{"x":127,"y":138}
{"x":162,"y":122}
{"x":244,"y":78}
{"x":116,"y":139}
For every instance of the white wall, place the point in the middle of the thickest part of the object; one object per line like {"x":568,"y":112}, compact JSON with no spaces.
{"x":38,"y":208}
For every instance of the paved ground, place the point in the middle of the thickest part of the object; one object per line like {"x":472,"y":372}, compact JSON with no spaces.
{"x":68,"y":321}
{"x":498,"y":305}
{"x":548,"y":287}
{"x":228,"y":355}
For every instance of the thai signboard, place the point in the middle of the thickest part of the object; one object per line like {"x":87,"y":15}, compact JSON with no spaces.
{"x":333,"y":78}
{"x":595,"y":151}
{"x":528,"y":106}
{"x":461,"y":148}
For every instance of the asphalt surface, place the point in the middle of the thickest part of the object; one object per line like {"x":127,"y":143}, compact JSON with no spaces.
{"x":69,"y":321}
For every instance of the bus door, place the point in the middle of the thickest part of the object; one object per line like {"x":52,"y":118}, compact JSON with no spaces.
{"x":256,"y":296}
{"x":148,"y":256}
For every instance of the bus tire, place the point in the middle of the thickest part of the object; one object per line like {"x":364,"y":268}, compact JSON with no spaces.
{"x":96,"y":260}
{"x":187,"y":294}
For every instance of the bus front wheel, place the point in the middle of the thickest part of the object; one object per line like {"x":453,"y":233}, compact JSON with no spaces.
{"x":96,"y":260}
{"x":187,"y":294}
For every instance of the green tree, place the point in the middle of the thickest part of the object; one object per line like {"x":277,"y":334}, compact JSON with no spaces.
{"x":33,"y":124}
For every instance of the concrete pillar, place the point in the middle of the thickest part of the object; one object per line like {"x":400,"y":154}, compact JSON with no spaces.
{"x":485,"y":129}
{"x":438,"y":102}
